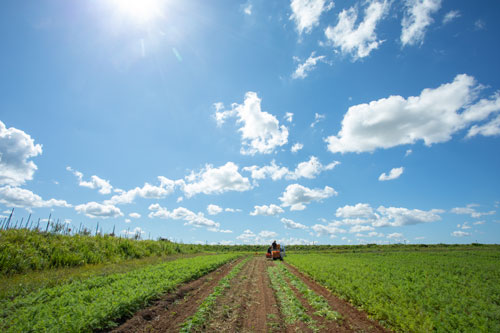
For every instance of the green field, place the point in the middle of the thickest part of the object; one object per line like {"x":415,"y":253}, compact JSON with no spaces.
{"x":50,"y":281}
{"x":412,"y":291}
{"x":94,"y":303}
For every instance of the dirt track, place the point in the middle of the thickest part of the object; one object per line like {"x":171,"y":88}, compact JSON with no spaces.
{"x":249,"y":305}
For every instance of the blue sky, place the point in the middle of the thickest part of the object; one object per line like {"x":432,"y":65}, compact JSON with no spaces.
{"x":230,"y":122}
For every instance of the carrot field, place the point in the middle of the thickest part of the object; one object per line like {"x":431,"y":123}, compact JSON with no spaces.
{"x":127,"y":285}
{"x":415,"y":291}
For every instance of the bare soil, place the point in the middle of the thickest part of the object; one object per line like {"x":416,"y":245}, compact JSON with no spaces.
{"x":249,"y":305}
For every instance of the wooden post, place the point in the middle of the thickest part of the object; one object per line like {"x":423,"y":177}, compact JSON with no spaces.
{"x":27,"y":222}
{"x":48,"y":222}
{"x":8,"y":221}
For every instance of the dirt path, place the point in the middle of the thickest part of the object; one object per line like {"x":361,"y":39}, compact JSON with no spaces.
{"x":249,"y":305}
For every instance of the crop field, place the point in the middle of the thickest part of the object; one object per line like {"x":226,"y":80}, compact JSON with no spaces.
{"x":316,"y":289}
{"x":416,"y":292}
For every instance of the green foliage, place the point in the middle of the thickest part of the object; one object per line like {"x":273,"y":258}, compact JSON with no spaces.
{"x":415,"y":291}
{"x":24,"y":250}
{"x":94,"y":303}
{"x":196,"y":322}
{"x":290,"y":306}
{"x":318,"y":302}
{"x":12,"y":286}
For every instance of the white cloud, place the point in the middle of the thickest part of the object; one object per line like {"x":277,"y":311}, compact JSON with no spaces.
{"x":310,"y":169}
{"x":317,"y":118}
{"x":451,"y":15}
{"x":432,"y":117}
{"x":464,"y":226}
{"x":181,"y":213}
{"x":393,"y":174}
{"x":361,"y":228}
{"x":359,"y":210}
{"x":382,"y":217}
{"x":16,"y":148}
{"x":408,"y":152}
{"x":470,"y":210}
{"x":148,"y":191}
{"x":417,"y":18}
{"x":232,"y":210}
{"x":95,"y":182}
{"x":23,"y":198}
{"x":248,"y":9}
{"x":179,"y":199}
{"x":491,"y":128}
{"x":263,"y":237}
{"x":479,"y":223}
{"x":460,"y":233}
{"x":368,"y":235}
{"x":267,"y":234}
{"x":213,"y":209}
{"x":246,"y":236}
{"x":135,"y":215}
{"x":289,"y":117}
{"x":307,"y":66}
{"x":297,"y":196}
{"x":361,"y":40}
{"x":136,"y":231}
{"x":479,"y":25}
{"x":290,"y":224}
{"x":296,"y":147}
{"x":307,"y":169}
{"x":212,"y":180}
{"x":261,"y":131}
{"x":306,"y":13}
{"x":96,"y":210}
{"x":397,"y":217}
{"x":395,"y":235}
{"x":271,"y":210}
{"x":273,"y":170}
{"x":327,"y":230}
{"x":294,"y":241}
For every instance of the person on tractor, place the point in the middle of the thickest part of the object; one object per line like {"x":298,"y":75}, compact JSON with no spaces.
{"x":274,"y":245}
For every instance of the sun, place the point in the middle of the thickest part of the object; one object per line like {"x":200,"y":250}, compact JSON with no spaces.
{"x":140,"y":11}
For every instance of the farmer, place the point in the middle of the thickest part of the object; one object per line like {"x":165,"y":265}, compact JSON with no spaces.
{"x":275,"y":246}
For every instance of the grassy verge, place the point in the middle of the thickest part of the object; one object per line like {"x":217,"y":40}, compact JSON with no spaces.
{"x":94,"y":303}
{"x":23,"y":250}
{"x":196,"y":322}
{"x":290,"y":306}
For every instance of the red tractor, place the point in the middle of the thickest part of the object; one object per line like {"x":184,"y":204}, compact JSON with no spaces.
{"x":277,"y":252}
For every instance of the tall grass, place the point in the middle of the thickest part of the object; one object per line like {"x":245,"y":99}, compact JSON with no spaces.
{"x":23,"y":250}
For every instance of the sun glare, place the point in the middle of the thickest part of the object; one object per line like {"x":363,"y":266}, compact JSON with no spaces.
{"x":141,"y":11}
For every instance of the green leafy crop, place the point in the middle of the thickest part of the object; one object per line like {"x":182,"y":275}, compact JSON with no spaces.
{"x":94,"y":303}
{"x":415,"y":291}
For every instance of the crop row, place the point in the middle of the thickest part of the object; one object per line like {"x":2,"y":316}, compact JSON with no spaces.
{"x":95,"y":303}
{"x":198,"y":320}
{"x":417,"y":292}
{"x":290,"y":306}
{"x":318,"y":302}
